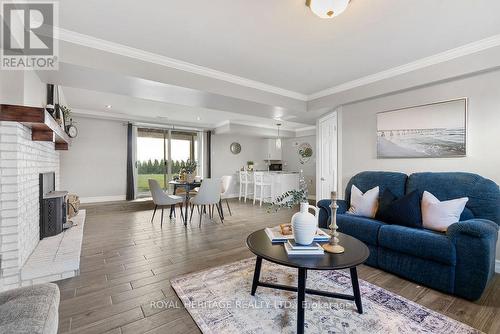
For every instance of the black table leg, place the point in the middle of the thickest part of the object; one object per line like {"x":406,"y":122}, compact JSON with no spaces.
{"x":355,"y":288}
{"x":256,"y":275}
{"x":301,"y":296}
{"x":186,"y":211}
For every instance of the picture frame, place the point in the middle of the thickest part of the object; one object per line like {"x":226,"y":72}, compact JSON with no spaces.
{"x":432,"y":130}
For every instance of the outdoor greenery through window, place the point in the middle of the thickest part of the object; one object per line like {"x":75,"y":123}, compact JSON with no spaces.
{"x":161,"y":154}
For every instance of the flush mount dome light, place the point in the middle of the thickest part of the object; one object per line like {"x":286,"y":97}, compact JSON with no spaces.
{"x":326,"y":9}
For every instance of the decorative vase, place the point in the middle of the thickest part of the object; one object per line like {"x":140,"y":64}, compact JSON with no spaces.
{"x":305,"y":224}
{"x":190,"y":177}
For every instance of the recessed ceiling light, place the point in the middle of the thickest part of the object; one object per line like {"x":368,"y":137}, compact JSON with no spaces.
{"x":198,"y":118}
{"x":108,"y":106}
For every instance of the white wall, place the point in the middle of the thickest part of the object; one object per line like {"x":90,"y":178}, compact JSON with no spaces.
{"x":359,"y":138}
{"x":95,"y":166}
{"x":226,"y":163}
{"x":290,"y":157}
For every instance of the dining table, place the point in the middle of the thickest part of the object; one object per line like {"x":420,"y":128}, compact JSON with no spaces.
{"x":188,"y":186}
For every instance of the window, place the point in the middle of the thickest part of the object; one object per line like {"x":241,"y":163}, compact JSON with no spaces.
{"x":161,"y":155}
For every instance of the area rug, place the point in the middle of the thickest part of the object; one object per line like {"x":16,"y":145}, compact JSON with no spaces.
{"x":219,"y":301}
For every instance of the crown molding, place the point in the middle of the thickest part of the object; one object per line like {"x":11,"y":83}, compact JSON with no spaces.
{"x":442,"y":57}
{"x":108,"y":46}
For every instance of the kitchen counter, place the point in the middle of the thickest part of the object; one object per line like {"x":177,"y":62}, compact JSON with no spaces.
{"x":281,"y":182}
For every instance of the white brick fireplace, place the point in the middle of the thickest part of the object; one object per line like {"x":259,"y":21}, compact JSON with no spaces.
{"x":21,"y":162}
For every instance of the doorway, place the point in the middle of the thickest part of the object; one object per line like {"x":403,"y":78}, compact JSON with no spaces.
{"x":327,"y":160}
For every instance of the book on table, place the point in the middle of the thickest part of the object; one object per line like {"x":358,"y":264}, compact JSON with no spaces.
{"x":292,"y":248}
{"x":276,"y":236}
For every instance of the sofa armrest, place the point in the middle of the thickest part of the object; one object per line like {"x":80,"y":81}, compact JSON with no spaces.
{"x":475,"y":243}
{"x":479,"y":228}
{"x":325,"y":212}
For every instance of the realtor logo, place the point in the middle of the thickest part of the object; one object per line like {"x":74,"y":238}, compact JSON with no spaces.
{"x":28,"y":39}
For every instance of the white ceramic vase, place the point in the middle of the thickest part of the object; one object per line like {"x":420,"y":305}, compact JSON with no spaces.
{"x":305,"y":224}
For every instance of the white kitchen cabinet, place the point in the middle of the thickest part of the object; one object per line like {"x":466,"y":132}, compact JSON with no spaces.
{"x":273,"y":153}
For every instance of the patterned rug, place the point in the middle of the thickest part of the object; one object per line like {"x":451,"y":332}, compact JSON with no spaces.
{"x":219,"y":301}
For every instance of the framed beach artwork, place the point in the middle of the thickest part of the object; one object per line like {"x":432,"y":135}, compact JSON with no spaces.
{"x":435,"y":130}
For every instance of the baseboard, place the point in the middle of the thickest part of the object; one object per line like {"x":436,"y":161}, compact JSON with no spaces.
{"x":497,"y":266}
{"x":98,"y":199}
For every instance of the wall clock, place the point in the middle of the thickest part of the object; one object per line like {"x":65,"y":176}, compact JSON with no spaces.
{"x":235,"y":148}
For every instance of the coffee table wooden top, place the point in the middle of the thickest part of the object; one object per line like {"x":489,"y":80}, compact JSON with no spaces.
{"x":356,"y":253}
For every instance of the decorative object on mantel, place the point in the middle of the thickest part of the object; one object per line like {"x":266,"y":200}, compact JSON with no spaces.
{"x":250,"y":166}
{"x":434,"y":130}
{"x":305,"y":153}
{"x":385,"y":311}
{"x":71,"y":129}
{"x":304,"y":224}
{"x":235,"y":148}
{"x":333,"y":246}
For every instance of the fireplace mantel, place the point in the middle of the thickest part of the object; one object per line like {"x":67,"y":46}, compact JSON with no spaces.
{"x":43,"y":126}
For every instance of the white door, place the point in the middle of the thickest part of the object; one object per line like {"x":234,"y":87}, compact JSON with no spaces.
{"x":327,"y":156}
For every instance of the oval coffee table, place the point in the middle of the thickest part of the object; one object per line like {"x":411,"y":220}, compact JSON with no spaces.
{"x":355,"y":254}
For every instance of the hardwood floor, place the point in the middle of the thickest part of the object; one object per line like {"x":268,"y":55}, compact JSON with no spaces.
{"x":127,"y":263}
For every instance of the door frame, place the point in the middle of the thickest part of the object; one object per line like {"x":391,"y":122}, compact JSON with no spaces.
{"x":319,"y":158}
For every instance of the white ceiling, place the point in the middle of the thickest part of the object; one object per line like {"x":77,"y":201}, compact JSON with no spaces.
{"x":280,"y":42}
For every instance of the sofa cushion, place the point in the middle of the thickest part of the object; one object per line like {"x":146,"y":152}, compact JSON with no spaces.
{"x":384,"y":180}
{"x":483,"y":194}
{"x":404,"y":211}
{"x":31,"y":310}
{"x":438,"y":215}
{"x":364,"y":204}
{"x":419,"y":243}
{"x":364,"y":229}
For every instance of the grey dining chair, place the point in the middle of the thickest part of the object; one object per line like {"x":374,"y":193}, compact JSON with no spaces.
{"x":162,"y":200}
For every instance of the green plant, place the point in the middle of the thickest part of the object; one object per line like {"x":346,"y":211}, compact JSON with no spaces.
{"x":190,"y":166}
{"x":288,"y":200}
{"x":249,"y":163}
{"x":66,"y":112}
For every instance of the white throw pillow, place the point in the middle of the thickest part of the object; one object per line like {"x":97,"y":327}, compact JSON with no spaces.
{"x":364,"y":205}
{"x":437,"y":215}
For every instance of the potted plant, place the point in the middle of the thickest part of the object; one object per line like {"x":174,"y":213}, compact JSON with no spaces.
{"x":190,"y":168}
{"x":250,"y":165}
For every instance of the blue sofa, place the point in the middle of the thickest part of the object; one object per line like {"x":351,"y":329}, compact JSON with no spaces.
{"x":459,"y":262}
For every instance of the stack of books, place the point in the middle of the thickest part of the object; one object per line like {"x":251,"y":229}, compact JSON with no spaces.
{"x":276,"y":236}
{"x":293,"y":248}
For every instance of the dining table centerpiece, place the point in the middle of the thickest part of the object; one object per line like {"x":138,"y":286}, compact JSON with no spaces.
{"x":190,"y":170}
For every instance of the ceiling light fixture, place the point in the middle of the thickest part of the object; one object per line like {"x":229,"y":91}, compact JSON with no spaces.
{"x":326,"y":9}
{"x":108,"y":106}
{"x":198,"y":118}
{"x":278,"y":140}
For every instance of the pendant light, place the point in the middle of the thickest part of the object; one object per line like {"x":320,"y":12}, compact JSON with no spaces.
{"x":326,"y":9}
{"x":278,"y":140}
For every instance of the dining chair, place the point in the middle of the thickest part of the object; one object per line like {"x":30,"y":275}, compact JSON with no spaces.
{"x":226,"y":182}
{"x":245,"y":181}
{"x":162,"y":200}
{"x":261,"y":185}
{"x":208,"y":195}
